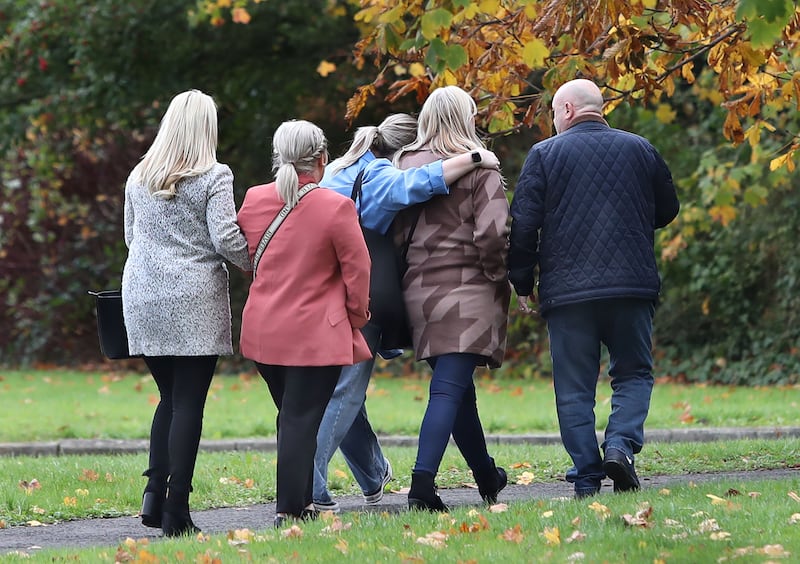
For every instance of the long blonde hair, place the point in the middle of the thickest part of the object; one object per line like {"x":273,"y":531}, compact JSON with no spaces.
{"x":296,"y":147}
{"x":394,"y":132}
{"x":446,"y":124}
{"x":185,"y":146}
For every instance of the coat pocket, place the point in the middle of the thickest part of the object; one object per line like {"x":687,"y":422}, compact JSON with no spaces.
{"x":337,"y":316}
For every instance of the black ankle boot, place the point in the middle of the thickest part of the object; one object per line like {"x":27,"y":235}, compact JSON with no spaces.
{"x":153,"y":498}
{"x":422,"y":494}
{"x":152,"y":508}
{"x":491,"y":482}
{"x":175,"y":520}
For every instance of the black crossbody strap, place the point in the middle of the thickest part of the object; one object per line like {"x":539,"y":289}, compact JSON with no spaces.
{"x":356,"y":196}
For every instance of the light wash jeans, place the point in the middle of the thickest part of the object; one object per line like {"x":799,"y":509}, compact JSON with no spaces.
{"x":345,"y":426}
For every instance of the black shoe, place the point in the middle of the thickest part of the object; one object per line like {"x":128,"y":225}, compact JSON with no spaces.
{"x":492,"y":484}
{"x":309,"y":515}
{"x":152,"y":506}
{"x":422,"y":495}
{"x":178,"y":524}
{"x":583,"y":494}
{"x":619,"y":467}
{"x":280,"y":521}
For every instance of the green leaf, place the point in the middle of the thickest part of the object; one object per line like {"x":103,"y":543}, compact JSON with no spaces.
{"x":534,"y":53}
{"x":435,"y":57}
{"x":435,"y":20}
{"x":455,"y":56}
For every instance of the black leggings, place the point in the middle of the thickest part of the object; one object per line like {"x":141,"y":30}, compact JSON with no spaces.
{"x":183,"y":383}
{"x":301,"y":394}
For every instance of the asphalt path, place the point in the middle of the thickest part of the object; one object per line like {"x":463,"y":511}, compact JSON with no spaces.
{"x":112,"y":531}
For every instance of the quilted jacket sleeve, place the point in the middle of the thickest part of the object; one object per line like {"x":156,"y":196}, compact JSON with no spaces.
{"x":666,"y":199}
{"x":527,"y":214}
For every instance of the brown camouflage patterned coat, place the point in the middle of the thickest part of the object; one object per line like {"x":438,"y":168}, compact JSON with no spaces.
{"x":456,"y":287}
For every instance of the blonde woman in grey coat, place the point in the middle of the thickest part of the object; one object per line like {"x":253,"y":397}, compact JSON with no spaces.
{"x":180,"y":228}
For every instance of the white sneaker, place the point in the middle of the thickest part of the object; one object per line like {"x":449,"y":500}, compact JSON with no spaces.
{"x":377,"y":496}
{"x":331,"y":506}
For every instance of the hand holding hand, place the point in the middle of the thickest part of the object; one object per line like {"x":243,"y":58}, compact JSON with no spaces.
{"x":524,"y":306}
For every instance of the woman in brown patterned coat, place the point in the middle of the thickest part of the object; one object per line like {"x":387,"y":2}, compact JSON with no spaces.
{"x":456,"y":293}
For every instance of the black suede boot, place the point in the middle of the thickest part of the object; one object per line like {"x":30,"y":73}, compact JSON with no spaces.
{"x":153,"y":500}
{"x":422,"y":494}
{"x":175,"y":520}
{"x":491,"y":482}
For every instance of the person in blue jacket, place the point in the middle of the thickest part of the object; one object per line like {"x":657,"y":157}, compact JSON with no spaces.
{"x":385,"y":191}
{"x":584,"y":214}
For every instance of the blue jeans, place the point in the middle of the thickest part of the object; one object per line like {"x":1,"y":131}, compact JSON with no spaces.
{"x":345,"y":426}
{"x":452,"y":409}
{"x":576,"y":332}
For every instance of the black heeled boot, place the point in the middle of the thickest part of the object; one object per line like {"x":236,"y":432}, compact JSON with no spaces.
{"x":422,"y":494}
{"x":153,"y":500}
{"x":175,"y":520}
{"x":491,"y":482}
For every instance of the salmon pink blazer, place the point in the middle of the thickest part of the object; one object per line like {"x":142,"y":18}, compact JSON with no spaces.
{"x":310,"y":295}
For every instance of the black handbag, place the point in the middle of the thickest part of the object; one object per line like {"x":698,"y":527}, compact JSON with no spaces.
{"x":111,"y":325}
{"x":386,"y":303}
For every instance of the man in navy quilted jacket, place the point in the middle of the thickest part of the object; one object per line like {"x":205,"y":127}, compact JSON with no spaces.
{"x":585,"y":210}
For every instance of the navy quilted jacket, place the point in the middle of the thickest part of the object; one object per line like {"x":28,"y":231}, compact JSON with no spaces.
{"x":584,"y":213}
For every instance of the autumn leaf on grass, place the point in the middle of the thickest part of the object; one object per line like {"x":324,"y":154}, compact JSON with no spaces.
{"x":794,"y":519}
{"x":513,"y":535}
{"x":601,"y":510}
{"x":525,"y":478}
{"x":518,"y":465}
{"x":341,"y":545}
{"x":88,"y":475}
{"x":340,"y":473}
{"x":30,"y":486}
{"x":240,"y":536}
{"x":293,"y":532}
{"x":498,"y":508}
{"x":575,"y":537}
{"x":3,"y":524}
{"x":552,"y":536}
{"x":708,"y":526}
{"x":641,"y":519}
{"x":436,"y":539}
{"x":716,"y":500}
{"x":481,"y":525}
{"x":794,"y":496}
{"x":336,"y":526}
{"x":71,"y":501}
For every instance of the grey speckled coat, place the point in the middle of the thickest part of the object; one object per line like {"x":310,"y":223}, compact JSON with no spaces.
{"x":175,"y":283}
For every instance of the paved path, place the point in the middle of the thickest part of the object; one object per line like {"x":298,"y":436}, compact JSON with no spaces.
{"x":111,"y":531}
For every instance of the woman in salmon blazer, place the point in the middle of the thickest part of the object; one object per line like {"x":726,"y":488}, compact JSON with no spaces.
{"x":307,"y":301}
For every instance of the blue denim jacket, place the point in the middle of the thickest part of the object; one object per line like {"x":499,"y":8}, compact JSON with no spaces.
{"x":385,"y":189}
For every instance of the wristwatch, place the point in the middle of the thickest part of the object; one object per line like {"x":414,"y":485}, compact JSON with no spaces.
{"x":476,"y":157}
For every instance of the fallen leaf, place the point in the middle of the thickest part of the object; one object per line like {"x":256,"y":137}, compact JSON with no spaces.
{"x":512,"y":535}
{"x":552,"y":536}
{"x":794,"y":496}
{"x":642,"y":518}
{"x":498,"y":508}
{"x":525,"y":478}
{"x":292,"y":532}
{"x":575,"y":536}
{"x":521,"y":465}
{"x":719,"y":535}
{"x":774,"y":550}
{"x":547,"y":514}
{"x":794,"y":519}
{"x":436,"y":539}
{"x":341,"y":545}
{"x":709,"y":525}
{"x":602,"y":511}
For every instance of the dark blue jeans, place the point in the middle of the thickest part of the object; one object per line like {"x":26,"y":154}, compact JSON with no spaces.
{"x":577,"y":331}
{"x":452,"y":409}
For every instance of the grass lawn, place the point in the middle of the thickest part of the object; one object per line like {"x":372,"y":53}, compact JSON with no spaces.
{"x":731,"y":521}
{"x":49,"y":405}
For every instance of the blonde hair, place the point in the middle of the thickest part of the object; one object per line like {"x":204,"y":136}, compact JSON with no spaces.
{"x":296,"y":147}
{"x":446,"y":124}
{"x":185,"y":146}
{"x":394,"y":132}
